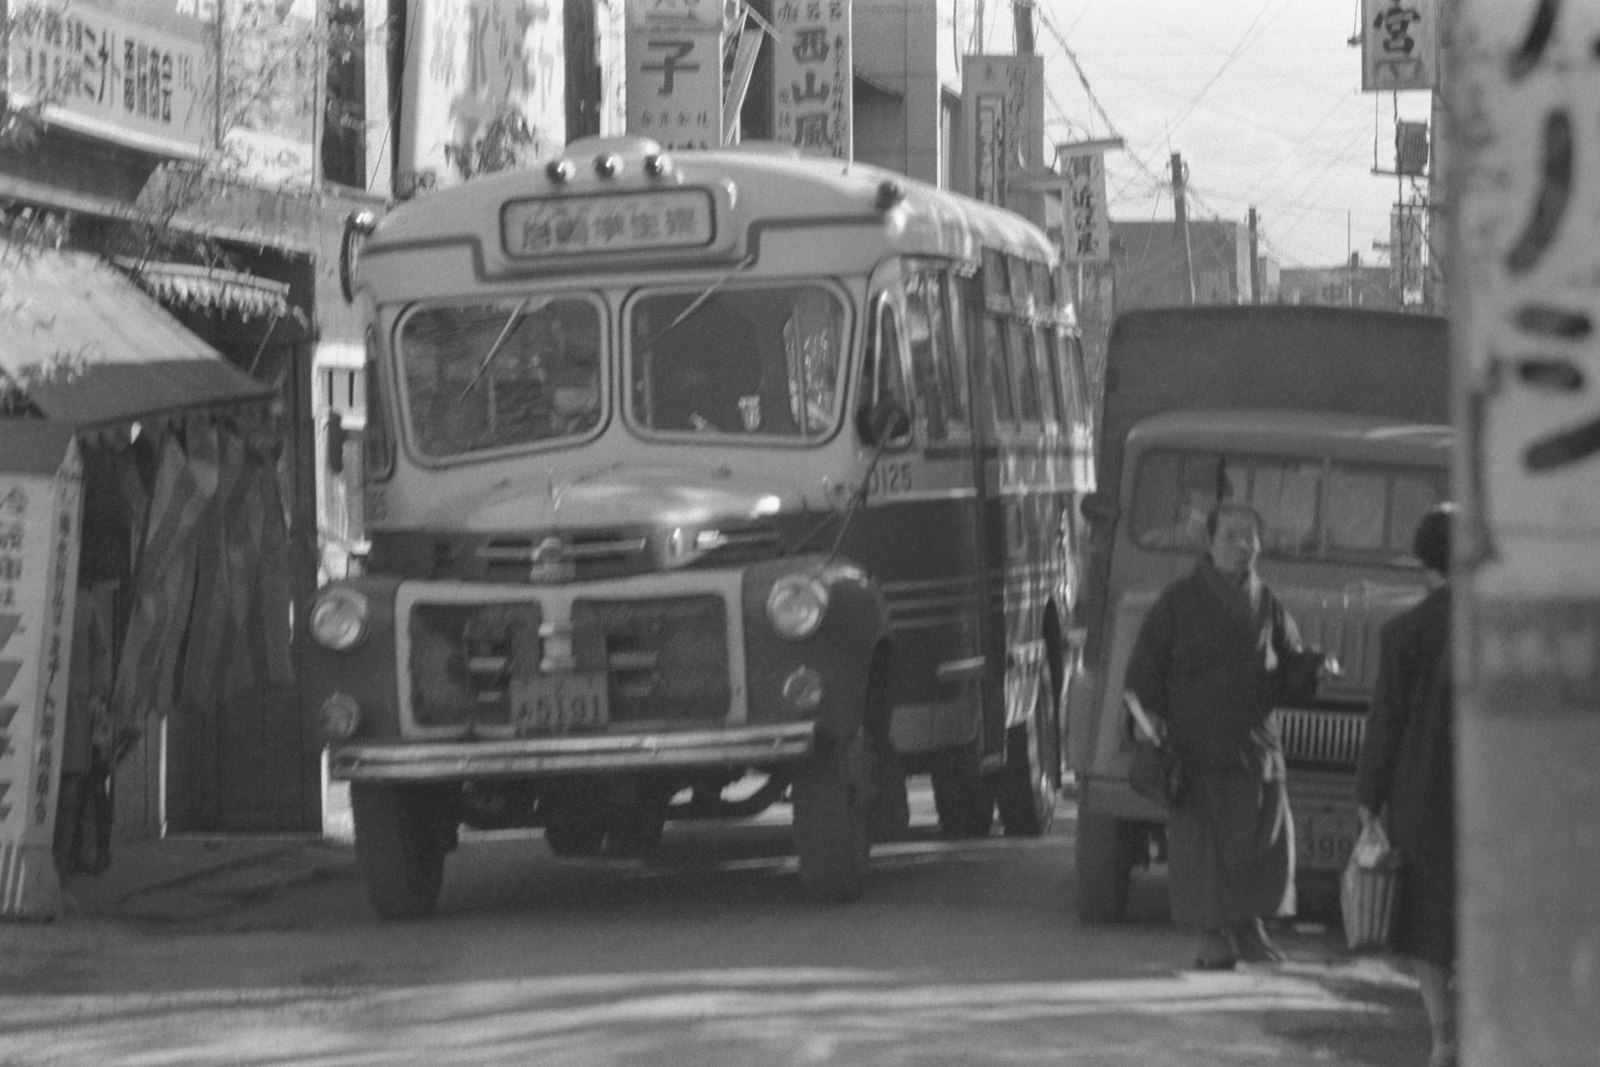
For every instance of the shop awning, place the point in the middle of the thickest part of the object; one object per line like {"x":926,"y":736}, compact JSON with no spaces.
{"x":209,"y":287}
{"x":88,"y":348}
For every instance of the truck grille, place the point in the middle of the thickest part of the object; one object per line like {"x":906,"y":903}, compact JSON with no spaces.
{"x":1321,"y":738}
{"x":667,"y":657}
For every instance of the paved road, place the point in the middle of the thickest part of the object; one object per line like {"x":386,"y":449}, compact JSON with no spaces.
{"x":707,"y":955}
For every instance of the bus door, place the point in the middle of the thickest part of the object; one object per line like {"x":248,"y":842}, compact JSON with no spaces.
{"x":924,"y":530}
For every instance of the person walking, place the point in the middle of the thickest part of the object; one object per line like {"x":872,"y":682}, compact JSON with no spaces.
{"x":1211,"y":660}
{"x":1406,"y":776}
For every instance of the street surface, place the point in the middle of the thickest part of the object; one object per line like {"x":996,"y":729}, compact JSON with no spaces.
{"x":707,"y":955}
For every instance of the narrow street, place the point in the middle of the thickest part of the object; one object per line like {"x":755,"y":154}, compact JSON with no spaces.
{"x":707,"y":954}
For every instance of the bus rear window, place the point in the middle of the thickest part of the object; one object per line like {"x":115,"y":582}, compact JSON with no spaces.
{"x":1310,"y":509}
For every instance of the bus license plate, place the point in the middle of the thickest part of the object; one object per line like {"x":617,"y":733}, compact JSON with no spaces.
{"x":546,"y":703}
{"x":1323,"y":838}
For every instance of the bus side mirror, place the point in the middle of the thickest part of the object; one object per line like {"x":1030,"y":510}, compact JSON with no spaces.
{"x":1100,"y":509}
{"x":336,"y":442}
{"x":883,"y":421}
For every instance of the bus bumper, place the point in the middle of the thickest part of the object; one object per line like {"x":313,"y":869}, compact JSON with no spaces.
{"x":599,"y":754}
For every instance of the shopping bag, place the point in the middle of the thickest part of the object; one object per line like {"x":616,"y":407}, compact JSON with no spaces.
{"x":1369,"y":891}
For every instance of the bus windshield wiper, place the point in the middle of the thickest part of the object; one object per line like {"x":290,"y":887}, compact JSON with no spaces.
{"x":494,"y":349}
{"x":694,"y":305}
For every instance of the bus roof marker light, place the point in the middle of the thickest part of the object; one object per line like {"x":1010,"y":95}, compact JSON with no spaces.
{"x":608,"y":165}
{"x":559,"y":171}
{"x":890,"y":193}
{"x":657,"y":165}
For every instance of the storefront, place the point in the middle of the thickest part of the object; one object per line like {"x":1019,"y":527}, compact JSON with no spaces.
{"x":169,"y":524}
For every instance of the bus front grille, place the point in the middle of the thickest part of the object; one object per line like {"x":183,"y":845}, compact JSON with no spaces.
{"x":462,"y":657}
{"x":667,"y":657}
{"x":1321,"y":738}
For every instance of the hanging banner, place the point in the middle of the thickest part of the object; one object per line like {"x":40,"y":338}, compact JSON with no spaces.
{"x":1085,"y":215}
{"x":114,"y":77}
{"x":674,"y":86}
{"x":474,"y":69}
{"x":1398,"y":45}
{"x":40,"y":501}
{"x":1004,"y":95}
{"x":813,"y":77}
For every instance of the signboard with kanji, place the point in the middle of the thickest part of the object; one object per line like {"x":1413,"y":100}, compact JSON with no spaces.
{"x":472,"y":64}
{"x":1086,"y":217}
{"x":39,"y":513}
{"x":812,"y":76}
{"x":114,"y":78}
{"x":1398,"y":49}
{"x":578,"y":225}
{"x":675,"y":75}
{"x":1004,"y":95}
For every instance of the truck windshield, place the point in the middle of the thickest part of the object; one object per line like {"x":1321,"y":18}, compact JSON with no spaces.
{"x":1311,"y":508}
{"x":761,"y":360}
{"x":499,"y":374}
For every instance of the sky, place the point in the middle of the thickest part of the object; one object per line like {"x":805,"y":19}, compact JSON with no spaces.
{"x":1261,"y":97}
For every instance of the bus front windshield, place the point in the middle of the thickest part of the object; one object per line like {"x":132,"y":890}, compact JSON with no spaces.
{"x":760,"y":360}
{"x":501,"y":374}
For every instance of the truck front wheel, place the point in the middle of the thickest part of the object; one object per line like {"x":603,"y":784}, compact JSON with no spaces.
{"x":832,"y":794}
{"x":402,"y":835}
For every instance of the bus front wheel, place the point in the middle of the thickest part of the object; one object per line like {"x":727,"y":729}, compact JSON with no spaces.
{"x":402,"y":835}
{"x":1025,"y":791}
{"x":832,"y":794}
{"x":1104,"y":868}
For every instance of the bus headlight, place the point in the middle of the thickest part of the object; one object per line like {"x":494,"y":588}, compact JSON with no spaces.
{"x":339,"y":619}
{"x":796,"y":605}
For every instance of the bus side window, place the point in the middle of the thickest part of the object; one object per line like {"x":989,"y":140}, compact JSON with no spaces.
{"x":1055,"y":409}
{"x":1022,"y":371}
{"x":924,"y":363}
{"x":994,"y":357}
{"x":950,"y":352}
{"x":883,"y":376}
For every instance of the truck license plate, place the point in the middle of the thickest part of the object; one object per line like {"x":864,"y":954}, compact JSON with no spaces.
{"x":546,"y":703}
{"x":1324,"y":837}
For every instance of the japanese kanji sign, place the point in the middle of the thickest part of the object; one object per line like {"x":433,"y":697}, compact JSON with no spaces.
{"x":1085,"y":215}
{"x":812,"y":76}
{"x":474,"y":61}
{"x":675,"y":74}
{"x":39,"y":514}
{"x":1398,"y":49}
{"x":1005,"y":97}
{"x":575,"y":225}
{"x":113,"y":78}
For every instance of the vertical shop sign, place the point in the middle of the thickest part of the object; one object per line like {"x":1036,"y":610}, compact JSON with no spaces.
{"x":1398,"y":49}
{"x":476,"y":63}
{"x":674,"y":87}
{"x":1005,"y":97}
{"x":813,"y":76}
{"x":39,"y":511}
{"x":1085,"y":216}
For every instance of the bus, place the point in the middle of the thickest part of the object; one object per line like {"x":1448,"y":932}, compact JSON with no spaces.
{"x":698,"y":483}
{"x":1333,"y":423}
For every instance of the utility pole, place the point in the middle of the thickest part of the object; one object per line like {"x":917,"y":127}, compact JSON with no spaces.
{"x":1180,"y":209}
{"x":1022,"y":17}
{"x":1255,"y":259}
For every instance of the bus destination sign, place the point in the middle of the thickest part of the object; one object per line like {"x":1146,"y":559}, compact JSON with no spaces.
{"x":589,"y":225}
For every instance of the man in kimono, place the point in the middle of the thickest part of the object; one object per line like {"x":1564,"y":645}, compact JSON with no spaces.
{"x":1208,"y":666}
